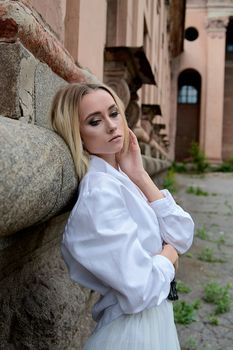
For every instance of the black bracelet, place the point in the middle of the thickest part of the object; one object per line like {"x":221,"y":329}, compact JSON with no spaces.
{"x":173,"y":295}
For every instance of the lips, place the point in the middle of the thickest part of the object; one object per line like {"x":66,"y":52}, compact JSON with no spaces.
{"x":114,"y":138}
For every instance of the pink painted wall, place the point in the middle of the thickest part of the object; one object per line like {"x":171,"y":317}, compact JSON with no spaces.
{"x":195,"y":57}
{"x":92,"y":35}
{"x":206,"y":55}
{"x":53,"y":12}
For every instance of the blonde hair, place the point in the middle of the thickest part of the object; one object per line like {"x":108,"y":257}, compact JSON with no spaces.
{"x":64,"y":118}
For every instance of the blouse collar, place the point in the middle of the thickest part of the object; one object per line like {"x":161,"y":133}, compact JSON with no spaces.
{"x":98,"y":164}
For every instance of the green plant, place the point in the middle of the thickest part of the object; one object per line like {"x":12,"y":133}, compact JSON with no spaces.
{"x":207,"y":255}
{"x":202,"y":233}
{"x":218,"y":295}
{"x":182,"y":287}
{"x":213,"y":320}
{"x":220,"y":240}
{"x":184,"y":312}
{"x":199,"y":159}
{"x":197,"y":191}
{"x":170,"y":181}
{"x":191,"y":344}
{"x":228,"y":205}
{"x":179,"y":167}
{"x":226,"y":166}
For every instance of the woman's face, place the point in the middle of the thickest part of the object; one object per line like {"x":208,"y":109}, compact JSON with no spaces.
{"x":101,"y":125}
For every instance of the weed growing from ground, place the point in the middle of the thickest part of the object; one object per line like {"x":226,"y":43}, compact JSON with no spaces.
{"x":207,"y":255}
{"x":179,"y":167}
{"x":197,"y":191}
{"x":182,"y":287}
{"x":213,"y":320}
{"x":191,"y":344}
{"x":170,"y":181}
{"x":199,"y":159}
{"x":229,"y":206}
{"x":214,"y":225}
{"x":184,"y":312}
{"x":226,"y":166}
{"x":220,"y":240}
{"x":202,"y":233}
{"x":218,"y":295}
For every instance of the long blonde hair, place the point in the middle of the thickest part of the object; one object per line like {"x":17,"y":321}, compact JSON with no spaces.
{"x":64,"y":118}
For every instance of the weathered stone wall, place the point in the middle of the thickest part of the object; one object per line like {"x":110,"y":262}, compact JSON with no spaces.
{"x":38,"y":172}
{"x":40,"y":308}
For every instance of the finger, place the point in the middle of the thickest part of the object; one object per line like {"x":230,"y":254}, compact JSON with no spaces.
{"x":133,"y":138}
{"x":132,"y":135}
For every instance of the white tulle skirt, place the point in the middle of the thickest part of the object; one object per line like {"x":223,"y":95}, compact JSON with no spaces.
{"x":151,"y":329}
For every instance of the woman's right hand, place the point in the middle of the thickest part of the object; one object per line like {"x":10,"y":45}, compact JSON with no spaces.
{"x":170,"y":253}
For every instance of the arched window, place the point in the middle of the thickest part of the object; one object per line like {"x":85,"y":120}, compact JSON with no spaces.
{"x":188,"y":94}
{"x":229,"y":41}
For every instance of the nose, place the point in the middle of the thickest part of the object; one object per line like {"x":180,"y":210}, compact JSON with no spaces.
{"x":111,"y":126}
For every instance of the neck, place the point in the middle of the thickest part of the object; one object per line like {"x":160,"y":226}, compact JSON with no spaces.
{"x":110,"y":159}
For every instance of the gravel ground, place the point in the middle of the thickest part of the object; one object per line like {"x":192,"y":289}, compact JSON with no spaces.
{"x":213,"y":217}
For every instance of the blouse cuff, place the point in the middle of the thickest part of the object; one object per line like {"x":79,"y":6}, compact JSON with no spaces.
{"x":164,"y":206}
{"x":165,"y":265}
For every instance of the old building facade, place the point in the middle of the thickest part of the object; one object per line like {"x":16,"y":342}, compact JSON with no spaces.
{"x":204,"y":81}
{"x":128,"y":44}
{"x":136,"y":47}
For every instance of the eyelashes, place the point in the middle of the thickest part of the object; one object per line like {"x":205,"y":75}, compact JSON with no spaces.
{"x":97,"y":121}
{"x":94,"y":122}
{"x":114,"y":114}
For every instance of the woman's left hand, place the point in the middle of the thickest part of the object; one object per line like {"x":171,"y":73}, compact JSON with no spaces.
{"x":131,"y":164}
{"x":131,"y":161}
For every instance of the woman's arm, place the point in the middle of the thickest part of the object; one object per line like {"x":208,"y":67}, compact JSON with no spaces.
{"x":102,"y":236}
{"x":176,"y":225}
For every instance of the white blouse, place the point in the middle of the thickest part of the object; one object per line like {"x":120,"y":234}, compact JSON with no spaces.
{"x":112,"y":240}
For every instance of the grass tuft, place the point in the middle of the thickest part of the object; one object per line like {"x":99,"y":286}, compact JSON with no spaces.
{"x":218,"y":295}
{"x":170,"y":181}
{"x":197,"y":191}
{"x":182,"y":287}
{"x":207,"y":255}
{"x":184,"y":312}
{"x":202,"y":233}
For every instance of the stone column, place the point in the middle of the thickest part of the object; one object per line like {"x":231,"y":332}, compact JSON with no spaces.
{"x":216,"y":37}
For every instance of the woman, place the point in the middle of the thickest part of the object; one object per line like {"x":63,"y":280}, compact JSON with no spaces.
{"x":124,"y":235}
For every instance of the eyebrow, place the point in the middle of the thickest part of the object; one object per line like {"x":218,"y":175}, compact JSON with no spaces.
{"x":97,"y":112}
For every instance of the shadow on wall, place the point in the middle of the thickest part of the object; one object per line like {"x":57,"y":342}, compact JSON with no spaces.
{"x":40,"y":307}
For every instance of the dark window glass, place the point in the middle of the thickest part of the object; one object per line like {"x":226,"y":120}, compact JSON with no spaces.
{"x":188,"y":94}
{"x":230,"y":48}
{"x":191,"y":34}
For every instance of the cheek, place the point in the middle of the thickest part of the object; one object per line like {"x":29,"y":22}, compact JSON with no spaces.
{"x":85,"y":137}
{"x":90,"y":140}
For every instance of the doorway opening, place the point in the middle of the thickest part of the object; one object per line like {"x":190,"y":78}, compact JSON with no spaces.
{"x":188,"y":113}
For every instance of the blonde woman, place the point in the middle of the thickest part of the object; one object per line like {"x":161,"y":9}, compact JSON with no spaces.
{"x":123,"y":235}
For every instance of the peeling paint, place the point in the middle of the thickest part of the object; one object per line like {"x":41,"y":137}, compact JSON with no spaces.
{"x":24,"y":23}
{"x":8,"y":28}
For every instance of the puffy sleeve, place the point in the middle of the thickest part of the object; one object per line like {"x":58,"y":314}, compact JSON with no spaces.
{"x":102,"y":237}
{"x":176,"y":225}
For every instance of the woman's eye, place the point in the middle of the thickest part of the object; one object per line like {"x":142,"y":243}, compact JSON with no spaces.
{"x":94,"y":122}
{"x":114,"y":114}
